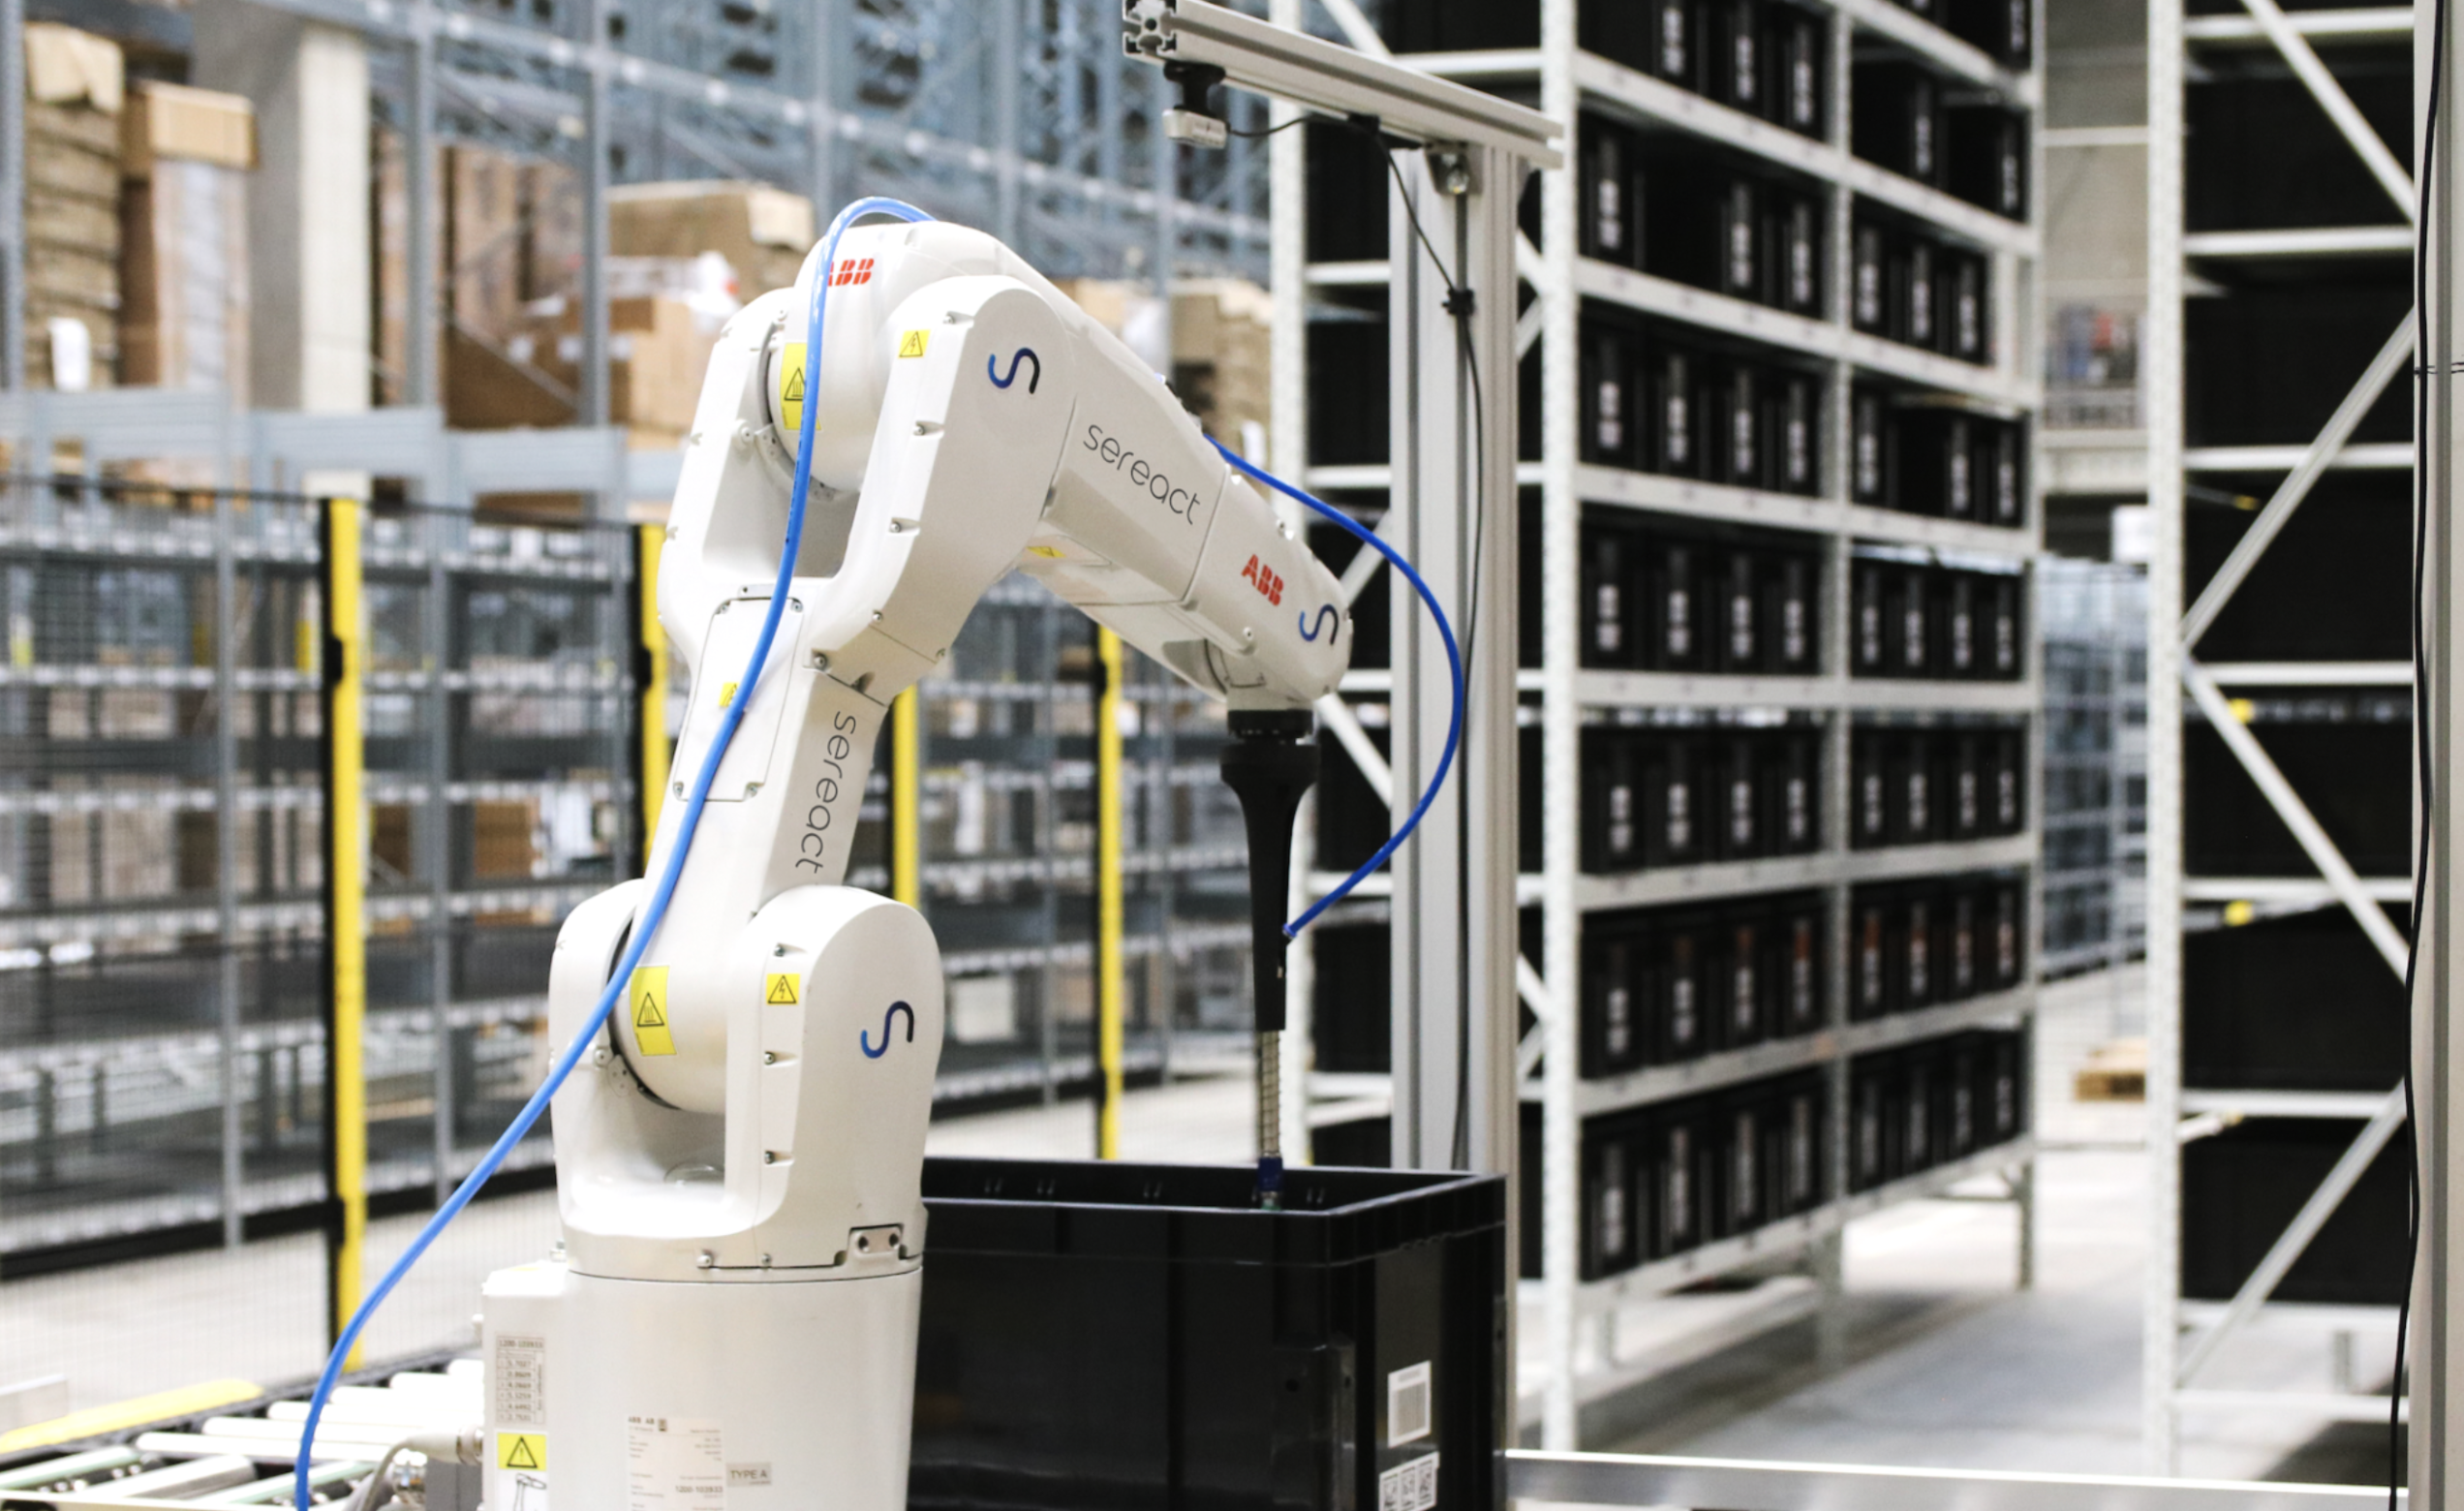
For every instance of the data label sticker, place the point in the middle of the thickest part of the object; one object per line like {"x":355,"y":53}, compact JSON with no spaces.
{"x":674,"y":1464}
{"x":647,"y":1008}
{"x":519,"y":1376}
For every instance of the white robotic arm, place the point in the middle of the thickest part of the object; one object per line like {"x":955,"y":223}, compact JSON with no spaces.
{"x":738,"y":1165}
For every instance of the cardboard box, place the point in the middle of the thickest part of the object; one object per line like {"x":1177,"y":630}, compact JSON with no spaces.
{"x":763,"y":232}
{"x":184,"y":285}
{"x":503,"y":841}
{"x":1224,"y":358}
{"x":657,"y":351}
{"x":75,"y":93}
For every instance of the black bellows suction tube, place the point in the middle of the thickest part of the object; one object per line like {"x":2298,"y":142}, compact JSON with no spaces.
{"x":1270,"y":763}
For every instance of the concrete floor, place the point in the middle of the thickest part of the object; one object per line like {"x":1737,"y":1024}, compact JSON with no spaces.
{"x":1945,"y":1363}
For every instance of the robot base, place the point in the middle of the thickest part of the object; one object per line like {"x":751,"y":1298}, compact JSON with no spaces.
{"x":695,"y":1396}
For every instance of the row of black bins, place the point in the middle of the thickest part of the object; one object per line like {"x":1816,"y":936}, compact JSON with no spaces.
{"x":1656,"y":795}
{"x":1665,"y":985}
{"x":1659,"y":1181}
{"x":1658,"y":599}
{"x":1900,"y":116}
{"x":1919,"y":787}
{"x":2005,"y":29}
{"x":1942,"y":463}
{"x":1934,"y":942}
{"x":1907,"y":285}
{"x":1927,"y":1104}
{"x":1673,"y":208}
{"x":1914,"y":619}
{"x":1655,"y":402}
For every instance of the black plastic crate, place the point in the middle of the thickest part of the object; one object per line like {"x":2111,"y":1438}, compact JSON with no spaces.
{"x":2296,"y":1003}
{"x":1986,"y":160}
{"x":1107,"y":1333}
{"x":2242,"y":1187}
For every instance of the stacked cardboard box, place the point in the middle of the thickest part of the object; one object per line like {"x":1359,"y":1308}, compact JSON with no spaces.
{"x":1222,"y":357}
{"x":74,"y":99}
{"x":186,"y":154}
{"x":763,"y":232}
{"x":658,"y":350}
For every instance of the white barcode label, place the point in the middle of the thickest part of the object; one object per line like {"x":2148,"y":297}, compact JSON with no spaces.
{"x":1410,"y":1487}
{"x":1407,"y":1407}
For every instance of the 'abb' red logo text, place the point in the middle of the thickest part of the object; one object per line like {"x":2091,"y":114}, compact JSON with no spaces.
{"x":1263,"y":578}
{"x":857,"y":272}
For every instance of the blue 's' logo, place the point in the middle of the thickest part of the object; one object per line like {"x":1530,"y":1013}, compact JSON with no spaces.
{"x":1310,"y":630}
{"x":864,"y":1036}
{"x":1034,"y":369}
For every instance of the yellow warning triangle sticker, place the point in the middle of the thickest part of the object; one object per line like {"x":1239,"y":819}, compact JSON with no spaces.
{"x":650,"y":1021}
{"x":521,"y":1451}
{"x":781,"y":990}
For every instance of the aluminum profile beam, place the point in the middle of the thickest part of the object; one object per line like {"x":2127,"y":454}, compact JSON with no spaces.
{"x":1748,"y":1485}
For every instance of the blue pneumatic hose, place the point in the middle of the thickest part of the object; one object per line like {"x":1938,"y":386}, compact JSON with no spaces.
{"x":1454,"y":667}
{"x":662,"y":893}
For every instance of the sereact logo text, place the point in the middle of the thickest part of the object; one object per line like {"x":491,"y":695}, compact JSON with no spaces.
{"x":814,"y":843}
{"x":1142,"y":475}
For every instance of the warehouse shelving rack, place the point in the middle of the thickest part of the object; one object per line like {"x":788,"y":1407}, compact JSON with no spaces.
{"x":2095,"y":620}
{"x":1568,"y":82}
{"x":2182,"y":1337}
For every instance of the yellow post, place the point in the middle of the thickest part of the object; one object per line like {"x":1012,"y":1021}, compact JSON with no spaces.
{"x":346,"y":921}
{"x":655,"y":753}
{"x":906,"y":800}
{"x":1110,"y":987}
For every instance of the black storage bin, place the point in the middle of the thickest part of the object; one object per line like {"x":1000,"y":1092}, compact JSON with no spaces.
{"x":1673,"y":426}
{"x":1796,"y":970}
{"x":1702,"y":224}
{"x":1460,"y":25}
{"x":2006,"y":29}
{"x":1867,"y":653}
{"x":1958,"y":1130}
{"x":1610,"y":438}
{"x":1740,"y":1004}
{"x":2299,"y":1004}
{"x":1673,"y":48}
{"x":1956,"y":651}
{"x":1913,"y":922}
{"x":1670,"y":784}
{"x":1792,"y":610}
{"x":1870,"y":1121}
{"x":1986,"y":160}
{"x":1795,"y":49}
{"x":1615,"y":810}
{"x":1351,"y":993}
{"x":1895,"y":119}
{"x":1732,"y":782}
{"x":1793,"y":243}
{"x":1739,"y":77}
{"x":1914,"y":1144}
{"x":2355,"y":772}
{"x":1789,"y":779}
{"x":1620,"y":32}
{"x":1352,"y":821}
{"x":2239,"y":391}
{"x":2261,"y":155}
{"x":1868,"y":790}
{"x":1916,"y":315}
{"x":2003,"y":659}
{"x":1740,"y":1183}
{"x":1611,"y":1186}
{"x":2008,"y":770}
{"x":1609,"y":633}
{"x":1912,"y":788}
{"x":2002,"y":1086}
{"x":1871,"y":979}
{"x":1678,"y":1147}
{"x":2001,"y":476}
{"x":1907,"y":621}
{"x":1616,"y":980}
{"x":1672,"y":605}
{"x":1937,"y":463}
{"x":1963,"y":306}
{"x":1348,"y":189}
{"x":1873,"y":435}
{"x":1681,"y":985}
{"x":1796,"y":1140}
{"x":1360,"y":1142}
{"x":1870,"y":279}
{"x":1735,"y":610}
{"x":1737,"y":414}
{"x":1611,"y":193}
{"x":2334,"y":585}
{"x":2242,"y":1187}
{"x":1348,"y":368}
{"x":1792,"y":432}
{"x":1960,"y":968}
{"x":1968,"y":777}
{"x":1107,"y":1333}
{"x":2010,"y":920}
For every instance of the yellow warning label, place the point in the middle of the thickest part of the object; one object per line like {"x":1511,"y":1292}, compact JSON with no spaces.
{"x":727,"y":693}
{"x":1050,"y":552}
{"x":781,"y":989}
{"x":2243,"y":709}
{"x":648,"y":1001}
{"x":521,"y":1450}
{"x":2238,"y":913}
{"x":911,"y":344}
{"x":792,"y":391}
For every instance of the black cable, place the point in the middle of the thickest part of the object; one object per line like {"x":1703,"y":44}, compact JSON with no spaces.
{"x":1460,"y":306}
{"x":1258,"y":136}
{"x":2421,"y":724}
